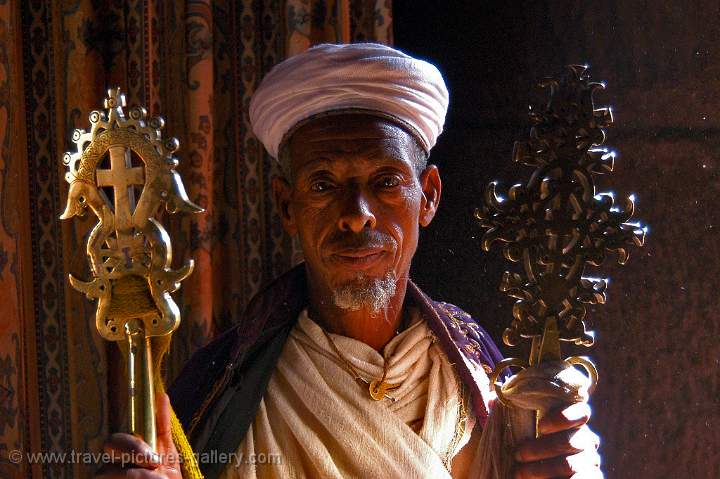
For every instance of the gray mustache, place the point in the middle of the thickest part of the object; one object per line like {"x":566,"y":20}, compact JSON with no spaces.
{"x":366,"y":239}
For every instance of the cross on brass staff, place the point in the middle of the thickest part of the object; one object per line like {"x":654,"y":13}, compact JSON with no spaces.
{"x":129,"y":251}
{"x":121,"y":176}
{"x":555,"y":226}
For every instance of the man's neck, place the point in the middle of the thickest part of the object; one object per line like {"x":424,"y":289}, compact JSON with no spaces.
{"x":375,"y":329}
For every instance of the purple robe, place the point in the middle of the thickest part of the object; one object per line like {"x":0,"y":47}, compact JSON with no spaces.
{"x":220,"y":388}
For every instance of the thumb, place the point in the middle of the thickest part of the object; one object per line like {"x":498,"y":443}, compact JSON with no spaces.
{"x":164,"y":424}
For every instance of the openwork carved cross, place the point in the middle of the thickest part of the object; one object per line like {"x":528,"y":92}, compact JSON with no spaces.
{"x":555,"y":224}
{"x":129,"y":251}
{"x":121,"y":176}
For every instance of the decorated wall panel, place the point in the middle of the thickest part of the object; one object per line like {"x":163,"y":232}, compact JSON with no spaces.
{"x":197,"y":62}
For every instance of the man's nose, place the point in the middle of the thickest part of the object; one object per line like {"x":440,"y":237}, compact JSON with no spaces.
{"x":356,"y":214}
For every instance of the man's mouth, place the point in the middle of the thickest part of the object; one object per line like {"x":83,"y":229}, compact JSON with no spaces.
{"x":358,"y":258}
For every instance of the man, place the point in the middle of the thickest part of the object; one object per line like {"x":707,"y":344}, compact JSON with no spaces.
{"x":343,"y":367}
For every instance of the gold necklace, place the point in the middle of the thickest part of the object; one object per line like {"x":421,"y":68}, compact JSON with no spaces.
{"x":377,"y":388}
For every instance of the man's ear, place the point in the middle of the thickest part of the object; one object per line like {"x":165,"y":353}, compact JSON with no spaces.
{"x":431,"y":186}
{"x":282,"y":192}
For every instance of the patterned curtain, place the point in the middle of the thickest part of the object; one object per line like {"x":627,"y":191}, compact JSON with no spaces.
{"x":195,"y":62}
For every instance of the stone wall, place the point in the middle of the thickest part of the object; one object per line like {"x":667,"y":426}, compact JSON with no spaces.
{"x":658,"y":349}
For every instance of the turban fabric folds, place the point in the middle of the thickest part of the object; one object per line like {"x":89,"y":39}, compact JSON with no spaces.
{"x":362,"y":77}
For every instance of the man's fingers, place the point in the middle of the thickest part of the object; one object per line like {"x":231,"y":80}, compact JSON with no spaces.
{"x":566,"y":447}
{"x":109,"y":471}
{"x":112,"y":471}
{"x":594,"y":474}
{"x":130,"y":456}
{"x":144,"y":474}
{"x":163,"y":421}
{"x":131,"y":450}
{"x":558,"y":444}
{"x":165,"y":443}
{"x":568,"y":418}
{"x":581,"y":465}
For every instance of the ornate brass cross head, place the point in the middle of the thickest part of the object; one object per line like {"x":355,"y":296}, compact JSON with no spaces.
{"x":129,"y":251}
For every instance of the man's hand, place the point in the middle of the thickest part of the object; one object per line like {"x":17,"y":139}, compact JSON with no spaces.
{"x":566,"y":448}
{"x":135,"y":459}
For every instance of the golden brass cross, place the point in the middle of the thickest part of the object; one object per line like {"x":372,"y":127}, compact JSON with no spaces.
{"x":121,"y":176}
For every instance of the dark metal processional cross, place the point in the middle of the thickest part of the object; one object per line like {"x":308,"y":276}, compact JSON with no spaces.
{"x":555,"y":225}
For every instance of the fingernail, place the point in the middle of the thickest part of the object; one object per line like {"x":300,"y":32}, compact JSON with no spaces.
{"x":576,"y":411}
{"x":579,"y":439}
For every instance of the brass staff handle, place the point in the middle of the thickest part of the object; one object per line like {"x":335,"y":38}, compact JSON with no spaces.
{"x":141,"y":390}
{"x":582,"y":361}
{"x":499,"y":367}
{"x":589,"y":367}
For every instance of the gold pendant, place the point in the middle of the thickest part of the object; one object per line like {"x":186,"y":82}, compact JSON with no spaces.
{"x":378,"y":389}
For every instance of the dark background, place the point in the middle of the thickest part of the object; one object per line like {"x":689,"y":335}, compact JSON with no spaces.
{"x":657,"y":407}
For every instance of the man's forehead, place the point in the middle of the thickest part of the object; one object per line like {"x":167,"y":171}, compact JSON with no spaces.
{"x":349,"y":127}
{"x":359,"y":138}
{"x":350,"y":163}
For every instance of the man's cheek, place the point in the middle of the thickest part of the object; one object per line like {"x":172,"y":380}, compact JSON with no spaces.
{"x":310,"y":217}
{"x":312,"y":223}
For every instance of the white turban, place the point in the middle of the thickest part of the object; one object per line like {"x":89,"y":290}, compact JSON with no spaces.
{"x":363,"y":77}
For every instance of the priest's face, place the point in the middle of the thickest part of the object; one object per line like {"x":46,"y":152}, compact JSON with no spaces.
{"x":356,"y":200}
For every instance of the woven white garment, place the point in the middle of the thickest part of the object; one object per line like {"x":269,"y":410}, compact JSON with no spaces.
{"x":323,"y":424}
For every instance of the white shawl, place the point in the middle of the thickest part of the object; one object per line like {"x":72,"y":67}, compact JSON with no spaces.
{"x":319,"y":422}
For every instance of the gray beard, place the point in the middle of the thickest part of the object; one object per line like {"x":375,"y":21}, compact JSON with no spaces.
{"x":363,"y":292}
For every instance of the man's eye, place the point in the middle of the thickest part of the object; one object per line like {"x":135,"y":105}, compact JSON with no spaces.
{"x":320,"y":186}
{"x":389,"y":181}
